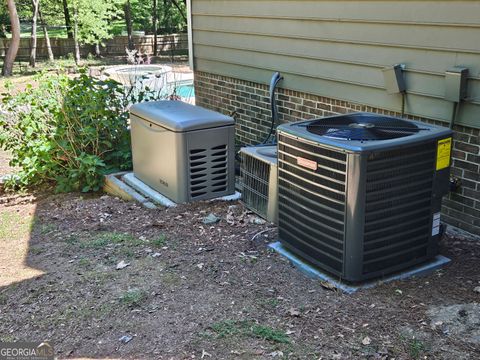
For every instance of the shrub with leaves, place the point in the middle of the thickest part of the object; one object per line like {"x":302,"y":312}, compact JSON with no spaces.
{"x":69,"y":131}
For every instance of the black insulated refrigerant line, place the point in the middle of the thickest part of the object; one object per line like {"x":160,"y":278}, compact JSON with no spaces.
{"x":276,"y":78}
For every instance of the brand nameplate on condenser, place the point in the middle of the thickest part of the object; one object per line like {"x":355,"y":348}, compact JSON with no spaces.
{"x":309,"y":164}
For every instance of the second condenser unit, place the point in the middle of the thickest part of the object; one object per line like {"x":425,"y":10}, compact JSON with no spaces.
{"x":360,"y":194}
{"x":258,"y":177}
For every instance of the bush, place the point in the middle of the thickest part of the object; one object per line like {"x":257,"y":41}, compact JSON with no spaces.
{"x":69,"y":131}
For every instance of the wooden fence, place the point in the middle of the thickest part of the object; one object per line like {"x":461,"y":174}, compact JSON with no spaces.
{"x":166,"y":44}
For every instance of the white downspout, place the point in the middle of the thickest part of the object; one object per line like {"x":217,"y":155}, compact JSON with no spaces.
{"x":190,"y":34}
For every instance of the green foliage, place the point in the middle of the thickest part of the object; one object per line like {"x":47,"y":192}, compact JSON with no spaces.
{"x":98,"y":20}
{"x":169,"y":17}
{"x":69,"y":131}
{"x":4,"y":20}
{"x":94,"y":19}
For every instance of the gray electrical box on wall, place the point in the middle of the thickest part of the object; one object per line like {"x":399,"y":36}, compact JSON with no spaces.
{"x":394,"y":80}
{"x":456,"y":84}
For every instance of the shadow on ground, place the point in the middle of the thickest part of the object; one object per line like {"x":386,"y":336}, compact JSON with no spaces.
{"x":189,"y":289}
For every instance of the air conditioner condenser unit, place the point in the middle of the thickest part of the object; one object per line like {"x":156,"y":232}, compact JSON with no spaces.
{"x":360,"y":194}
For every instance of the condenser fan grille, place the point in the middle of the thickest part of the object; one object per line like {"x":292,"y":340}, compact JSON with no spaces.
{"x":362,"y":128}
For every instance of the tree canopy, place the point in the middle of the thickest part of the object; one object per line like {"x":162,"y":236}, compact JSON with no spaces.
{"x":96,"y":18}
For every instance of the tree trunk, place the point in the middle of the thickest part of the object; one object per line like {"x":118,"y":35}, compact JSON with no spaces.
{"x":155,"y":28}
{"x":128,"y":21}
{"x":68,"y":20}
{"x":75,"y":35}
{"x":97,"y":50}
{"x":33,"y":38}
{"x":166,"y":18}
{"x":46,"y":36}
{"x":15,"y":42}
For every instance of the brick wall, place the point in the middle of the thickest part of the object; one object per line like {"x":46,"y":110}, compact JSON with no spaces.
{"x":248,"y":103}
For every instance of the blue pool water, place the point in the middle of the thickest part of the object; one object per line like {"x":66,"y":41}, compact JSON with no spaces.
{"x":186,"y":91}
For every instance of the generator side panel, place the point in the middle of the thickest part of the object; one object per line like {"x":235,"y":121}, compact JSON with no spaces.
{"x":156,"y":153}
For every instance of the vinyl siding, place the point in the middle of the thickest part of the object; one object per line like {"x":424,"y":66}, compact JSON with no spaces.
{"x":337,"y":49}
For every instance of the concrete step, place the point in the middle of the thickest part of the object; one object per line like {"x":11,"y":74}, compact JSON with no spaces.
{"x":126,"y":186}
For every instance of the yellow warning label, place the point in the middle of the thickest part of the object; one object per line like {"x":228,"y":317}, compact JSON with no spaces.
{"x":443,"y":153}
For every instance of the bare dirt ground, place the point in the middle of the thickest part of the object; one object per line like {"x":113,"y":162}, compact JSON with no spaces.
{"x":208,"y":291}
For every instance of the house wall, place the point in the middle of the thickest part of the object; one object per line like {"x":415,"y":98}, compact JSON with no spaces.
{"x":337,"y":49}
{"x":331,"y":54}
{"x":248,"y":103}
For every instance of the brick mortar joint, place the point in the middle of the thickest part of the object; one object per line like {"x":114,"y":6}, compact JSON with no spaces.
{"x":245,"y":91}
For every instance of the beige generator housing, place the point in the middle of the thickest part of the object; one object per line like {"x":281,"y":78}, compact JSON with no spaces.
{"x":183,"y":151}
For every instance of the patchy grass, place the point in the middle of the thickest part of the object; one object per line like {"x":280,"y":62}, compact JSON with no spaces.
{"x":228,"y":328}
{"x":416,"y":348}
{"x":13,"y":225}
{"x":269,"y":333}
{"x":99,"y":278}
{"x":72,"y":239}
{"x":104,"y":239}
{"x":268,"y":303}
{"x":23,"y":74}
{"x":3,"y":299}
{"x":225,"y":328}
{"x":170,"y":278}
{"x":133,"y":298}
{"x":43,"y":228}
{"x":88,"y":311}
{"x":83,"y":262}
{"x":81,"y":312}
{"x":35,"y":250}
{"x":159,"y":241}
{"x":7,"y":338}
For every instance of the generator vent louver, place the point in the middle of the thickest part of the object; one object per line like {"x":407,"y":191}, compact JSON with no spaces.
{"x":313,"y":201}
{"x":208,"y":170}
{"x":360,"y":194}
{"x":398,"y":206}
{"x":258,"y":178}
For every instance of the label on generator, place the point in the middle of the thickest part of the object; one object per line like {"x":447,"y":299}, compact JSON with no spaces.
{"x":436,"y":224}
{"x":444,"y":152}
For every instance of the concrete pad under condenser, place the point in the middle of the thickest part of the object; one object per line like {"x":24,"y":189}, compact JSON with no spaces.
{"x":313,"y":272}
